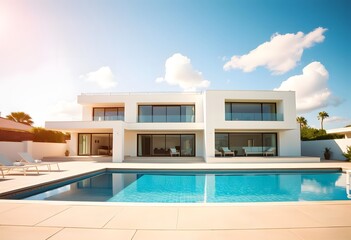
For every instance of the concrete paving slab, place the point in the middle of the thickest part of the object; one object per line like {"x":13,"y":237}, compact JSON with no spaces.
{"x":8,"y":206}
{"x":329,"y":215}
{"x":145,"y":218}
{"x":82,"y":216}
{"x":93,"y":234}
{"x":216,"y":234}
{"x":30,"y":214}
{"x":27,"y":233}
{"x":342,"y":233}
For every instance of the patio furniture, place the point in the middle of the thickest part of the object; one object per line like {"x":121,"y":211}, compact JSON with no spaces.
{"x":218,"y":153}
{"x":227,"y":151}
{"x":28,"y":159}
{"x":270,"y":150}
{"x":259,"y":150}
{"x":6,"y":164}
{"x":173,"y":152}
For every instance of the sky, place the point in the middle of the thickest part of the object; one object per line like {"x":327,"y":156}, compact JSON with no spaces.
{"x":52,"y":51}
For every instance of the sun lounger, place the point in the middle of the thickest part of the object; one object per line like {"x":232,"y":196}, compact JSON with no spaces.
{"x":28,"y":159}
{"x":6,"y":164}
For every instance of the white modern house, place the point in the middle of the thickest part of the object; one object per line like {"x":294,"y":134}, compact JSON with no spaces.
{"x":210,"y":125}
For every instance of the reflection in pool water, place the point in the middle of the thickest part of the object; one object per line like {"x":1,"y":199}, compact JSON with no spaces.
{"x":203,"y":187}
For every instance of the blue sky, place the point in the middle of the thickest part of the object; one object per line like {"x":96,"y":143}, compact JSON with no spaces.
{"x":51,"y":51}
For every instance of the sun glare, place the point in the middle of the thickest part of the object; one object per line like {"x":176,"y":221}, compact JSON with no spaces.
{"x":3,"y":23}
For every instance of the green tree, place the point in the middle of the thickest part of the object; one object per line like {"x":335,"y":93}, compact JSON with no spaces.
{"x":321,"y":116}
{"x":20,"y":117}
{"x":302,"y":121}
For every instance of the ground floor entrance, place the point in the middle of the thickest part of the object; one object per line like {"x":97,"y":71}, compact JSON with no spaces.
{"x":94,"y":144}
{"x":166,"y":145}
{"x":246,"y":144}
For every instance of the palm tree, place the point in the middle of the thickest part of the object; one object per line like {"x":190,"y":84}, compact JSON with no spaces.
{"x":302,"y":121}
{"x":20,"y":117}
{"x":321,"y":116}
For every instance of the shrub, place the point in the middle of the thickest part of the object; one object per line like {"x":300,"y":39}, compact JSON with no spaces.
{"x":44,"y":135}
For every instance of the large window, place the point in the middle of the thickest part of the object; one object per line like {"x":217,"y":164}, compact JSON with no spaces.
{"x":108,"y":114}
{"x":166,"y":113}
{"x":245,"y":144}
{"x":95,"y":144}
{"x":239,"y":111}
{"x":161,"y":144}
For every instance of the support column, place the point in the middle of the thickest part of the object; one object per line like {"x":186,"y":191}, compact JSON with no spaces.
{"x":72,"y":145}
{"x":209,"y":143}
{"x":118,"y":145}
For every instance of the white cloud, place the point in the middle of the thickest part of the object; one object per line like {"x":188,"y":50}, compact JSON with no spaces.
{"x":337,"y":119}
{"x":103,"y":77}
{"x":279,"y":55}
{"x":65,"y":111}
{"x":311,"y":88}
{"x":179,"y":71}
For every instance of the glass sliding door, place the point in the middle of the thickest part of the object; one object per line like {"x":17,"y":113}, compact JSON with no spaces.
{"x":243,"y":143}
{"x":187,"y":145}
{"x":144,"y":145}
{"x":84,"y":144}
{"x":95,"y":144}
{"x":221,"y":140}
{"x":270,"y":143}
{"x":160,"y":144}
{"x":173,"y":141}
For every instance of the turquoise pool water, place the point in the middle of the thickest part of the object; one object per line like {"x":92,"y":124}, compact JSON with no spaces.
{"x":204,"y":187}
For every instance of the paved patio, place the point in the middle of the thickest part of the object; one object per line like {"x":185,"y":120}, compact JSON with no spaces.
{"x":79,"y":220}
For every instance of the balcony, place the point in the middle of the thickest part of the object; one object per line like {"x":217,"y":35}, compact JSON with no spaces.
{"x":254,"y":117}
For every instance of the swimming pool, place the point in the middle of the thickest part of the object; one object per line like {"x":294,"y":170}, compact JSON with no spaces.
{"x":198,"y":187}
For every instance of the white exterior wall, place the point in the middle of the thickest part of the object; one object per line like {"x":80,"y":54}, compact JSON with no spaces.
{"x":37,"y":149}
{"x":289,"y":142}
{"x":288,"y":131}
{"x":209,"y":119}
{"x":130,"y":101}
{"x":316,"y":148}
{"x":11,"y":149}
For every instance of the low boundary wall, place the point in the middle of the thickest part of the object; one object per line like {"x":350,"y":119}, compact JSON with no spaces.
{"x":316,"y":148}
{"x":37,"y":149}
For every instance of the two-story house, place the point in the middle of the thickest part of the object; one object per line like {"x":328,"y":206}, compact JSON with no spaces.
{"x":247,"y":123}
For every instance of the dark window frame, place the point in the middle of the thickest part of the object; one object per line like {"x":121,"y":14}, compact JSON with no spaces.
{"x":167,"y":134}
{"x":261,"y":111}
{"x":261,"y":133}
{"x":177,"y":105}
{"x":110,"y":142}
{"x":104,"y":108}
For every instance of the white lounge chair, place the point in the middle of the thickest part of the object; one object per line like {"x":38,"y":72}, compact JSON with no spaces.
{"x":218,"y":153}
{"x":28,"y":159}
{"x":173,"y":152}
{"x":270,"y":150}
{"x":6,"y":164}
{"x":227,"y":151}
